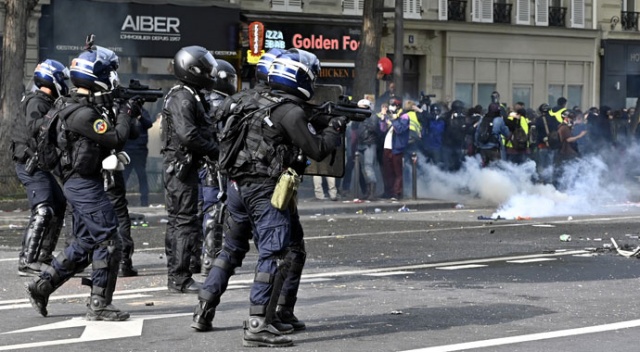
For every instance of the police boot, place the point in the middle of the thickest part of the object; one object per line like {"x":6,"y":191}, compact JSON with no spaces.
{"x":28,"y":269}
{"x":285,"y":315}
{"x":127,"y":269}
{"x":39,"y":291}
{"x":258,"y":333}
{"x":284,"y":328}
{"x":98,"y":309}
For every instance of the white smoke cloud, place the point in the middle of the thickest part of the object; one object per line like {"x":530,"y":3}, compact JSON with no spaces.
{"x":593,"y":184}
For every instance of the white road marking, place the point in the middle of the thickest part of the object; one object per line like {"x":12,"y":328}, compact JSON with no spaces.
{"x":461,"y":267}
{"x":524,"y":261}
{"x":531,"y":337}
{"x":390,"y":273}
{"x":93,"y":331}
{"x":17,"y":305}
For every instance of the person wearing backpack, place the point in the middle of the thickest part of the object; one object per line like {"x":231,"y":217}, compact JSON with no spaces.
{"x":546,"y":128}
{"x":46,"y":200}
{"x":211,"y":190}
{"x":188,"y":138}
{"x":275,"y":141}
{"x":517,"y":147}
{"x":87,"y":139}
{"x":488,"y":135}
{"x":568,"y":151}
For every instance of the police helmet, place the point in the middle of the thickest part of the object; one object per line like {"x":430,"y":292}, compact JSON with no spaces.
{"x":196,"y":66}
{"x":436,"y":109}
{"x":93,"y":69}
{"x":226,"y":80}
{"x":262,"y":68}
{"x":544,"y":108}
{"x":52,"y":74}
{"x":457,"y":106}
{"x":295,"y":72}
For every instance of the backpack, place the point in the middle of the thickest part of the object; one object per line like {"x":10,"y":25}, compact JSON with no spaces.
{"x":519,"y":139}
{"x":486,"y":131}
{"x":553,"y":140}
{"x":235,"y":115}
{"x":48,"y":151}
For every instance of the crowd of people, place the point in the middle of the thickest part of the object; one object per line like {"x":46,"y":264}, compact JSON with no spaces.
{"x":446,"y":134}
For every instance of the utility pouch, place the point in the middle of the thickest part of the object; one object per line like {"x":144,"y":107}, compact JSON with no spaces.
{"x":31,"y":164}
{"x":285,"y":189}
{"x":182,"y":166}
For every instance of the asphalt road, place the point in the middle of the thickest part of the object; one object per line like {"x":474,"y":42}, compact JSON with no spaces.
{"x":433,"y":280}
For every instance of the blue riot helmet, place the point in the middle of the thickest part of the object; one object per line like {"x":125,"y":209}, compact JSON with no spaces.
{"x":194,"y":65}
{"x":262,"y":68}
{"x":295,"y":72}
{"x":53,"y":75}
{"x":93,"y":68}
{"x":226,"y":80}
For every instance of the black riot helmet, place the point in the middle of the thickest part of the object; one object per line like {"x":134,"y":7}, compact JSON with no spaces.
{"x":544,"y":108}
{"x":457,"y":106}
{"x":196,"y":66}
{"x":226,"y":80}
{"x":495,"y":97}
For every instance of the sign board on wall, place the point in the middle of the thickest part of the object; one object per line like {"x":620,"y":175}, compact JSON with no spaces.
{"x":339,"y":43}
{"x":132,"y":29}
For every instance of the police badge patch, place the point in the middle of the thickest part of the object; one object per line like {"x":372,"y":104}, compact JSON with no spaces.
{"x":311,"y":128}
{"x":100,"y":126}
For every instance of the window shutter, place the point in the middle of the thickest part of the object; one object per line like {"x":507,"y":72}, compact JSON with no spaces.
{"x":542,"y":12}
{"x":577,"y":13}
{"x":294,"y":5}
{"x":523,"y":12}
{"x":410,"y":9}
{"x":482,"y":11}
{"x":348,"y":7}
{"x":487,"y":11}
{"x":443,"y":7}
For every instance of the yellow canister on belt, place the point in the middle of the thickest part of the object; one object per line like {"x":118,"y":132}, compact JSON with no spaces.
{"x":285,"y":189}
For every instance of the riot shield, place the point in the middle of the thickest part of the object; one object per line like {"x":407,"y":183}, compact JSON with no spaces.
{"x":332,"y":165}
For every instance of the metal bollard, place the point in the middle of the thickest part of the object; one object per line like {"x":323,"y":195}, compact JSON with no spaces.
{"x":356,"y":175}
{"x":414,"y":175}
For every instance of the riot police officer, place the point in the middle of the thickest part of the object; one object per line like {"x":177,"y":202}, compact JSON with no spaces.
{"x":212,"y":184}
{"x":46,"y":200}
{"x":251,"y":187}
{"x":88,"y":143}
{"x":188,"y":138}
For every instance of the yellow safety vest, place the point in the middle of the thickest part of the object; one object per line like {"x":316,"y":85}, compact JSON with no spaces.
{"x":414,"y":123}
{"x":524,"y":123}
{"x":558,"y":114}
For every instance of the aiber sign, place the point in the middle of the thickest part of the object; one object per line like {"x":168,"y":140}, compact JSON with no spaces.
{"x":330,"y":43}
{"x":133,"y":29}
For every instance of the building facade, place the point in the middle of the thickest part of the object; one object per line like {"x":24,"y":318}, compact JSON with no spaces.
{"x":532,"y":51}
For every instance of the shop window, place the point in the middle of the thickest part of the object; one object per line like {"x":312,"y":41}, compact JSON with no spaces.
{"x":523,"y":12}
{"x":542,"y":12}
{"x":286,"y":5}
{"x":555,"y":92}
{"x":352,"y":7}
{"x":574,"y":97}
{"x":522,"y":93}
{"x":482,"y":11}
{"x":464,"y":93}
{"x":484,"y":93}
{"x":412,"y":8}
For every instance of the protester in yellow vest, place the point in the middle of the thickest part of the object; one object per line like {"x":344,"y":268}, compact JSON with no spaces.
{"x":517,"y":146}
{"x":557,"y":111}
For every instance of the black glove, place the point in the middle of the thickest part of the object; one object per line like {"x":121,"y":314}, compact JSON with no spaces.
{"x":338,"y":123}
{"x":133,"y":107}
